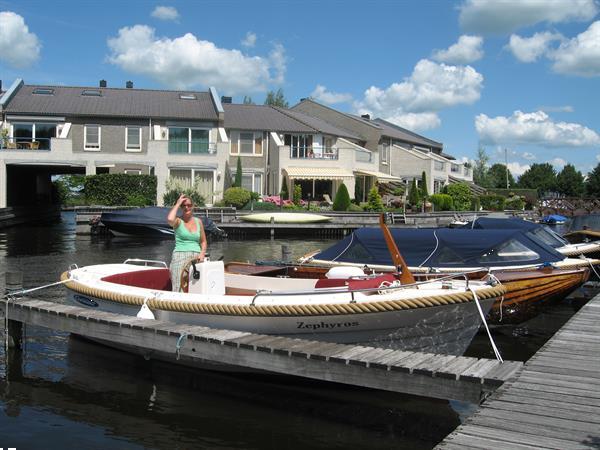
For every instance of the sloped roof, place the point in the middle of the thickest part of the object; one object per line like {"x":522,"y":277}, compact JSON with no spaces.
{"x":318,"y":124}
{"x":397,"y":132}
{"x":113,"y":102}
{"x":261,"y":117}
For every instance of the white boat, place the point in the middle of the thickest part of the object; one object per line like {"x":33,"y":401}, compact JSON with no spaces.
{"x":438,"y":316}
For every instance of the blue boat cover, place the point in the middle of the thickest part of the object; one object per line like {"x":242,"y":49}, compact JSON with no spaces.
{"x":443,"y":247}
{"x":534,"y":230}
{"x":553,"y":218}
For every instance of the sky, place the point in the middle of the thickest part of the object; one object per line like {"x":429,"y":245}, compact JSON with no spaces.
{"x":518,"y":78}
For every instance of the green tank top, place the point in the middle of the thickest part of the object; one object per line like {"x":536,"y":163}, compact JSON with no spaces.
{"x":186,"y":241}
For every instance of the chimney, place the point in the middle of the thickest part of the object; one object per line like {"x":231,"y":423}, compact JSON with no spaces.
{"x":129,"y":85}
{"x":102,"y":83}
{"x":302,"y":99}
{"x":225,"y":99}
{"x":366,"y":116}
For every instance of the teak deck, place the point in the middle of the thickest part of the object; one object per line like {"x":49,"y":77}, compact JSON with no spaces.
{"x":554,"y":402}
{"x":431,"y":375}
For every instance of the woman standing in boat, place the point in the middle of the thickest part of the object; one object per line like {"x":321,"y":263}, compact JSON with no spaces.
{"x":190,"y":239}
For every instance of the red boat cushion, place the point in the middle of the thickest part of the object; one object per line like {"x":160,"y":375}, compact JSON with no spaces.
{"x":158,"y":279}
{"x":356,"y":283}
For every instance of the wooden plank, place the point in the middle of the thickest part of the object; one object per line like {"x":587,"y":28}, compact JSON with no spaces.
{"x":347,"y":354}
{"x":524,"y":399}
{"x":407,"y":364}
{"x":454,"y":368}
{"x":538,"y":420}
{"x":474,"y":373}
{"x":385,"y":360}
{"x":570,"y":376}
{"x":489,"y":443}
{"x":554,"y":396}
{"x":505,"y":371}
{"x":430,"y":367}
{"x":325,"y":350}
{"x":554,"y":412}
{"x":550,"y":388}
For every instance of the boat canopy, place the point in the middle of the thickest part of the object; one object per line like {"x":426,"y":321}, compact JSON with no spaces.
{"x":443,"y":247}
{"x":535,"y":230}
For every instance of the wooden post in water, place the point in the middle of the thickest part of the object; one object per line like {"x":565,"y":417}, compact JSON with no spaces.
{"x":272,"y":227}
{"x":14,"y":329}
{"x":286,"y":254}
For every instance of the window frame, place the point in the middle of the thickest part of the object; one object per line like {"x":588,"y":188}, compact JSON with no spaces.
{"x":131,"y":171}
{"x":238,"y":144}
{"x":254,"y":176}
{"x":133,"y":149}
{"x":190,"y":143}
{"x":86,"y":146}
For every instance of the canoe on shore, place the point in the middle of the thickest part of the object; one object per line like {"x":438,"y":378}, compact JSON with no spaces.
{"x":285,"y":217}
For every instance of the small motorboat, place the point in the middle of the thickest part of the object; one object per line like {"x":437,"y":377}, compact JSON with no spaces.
{"x":553,"y":219}
{"x":150,"y":221}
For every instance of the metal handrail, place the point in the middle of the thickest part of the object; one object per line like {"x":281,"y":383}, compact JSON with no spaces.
{"x":145,"y":261}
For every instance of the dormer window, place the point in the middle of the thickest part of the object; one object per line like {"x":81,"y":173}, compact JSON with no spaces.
{"x":187,"y":96}
{"x":43,"y":91}
{"x":91,"y":93}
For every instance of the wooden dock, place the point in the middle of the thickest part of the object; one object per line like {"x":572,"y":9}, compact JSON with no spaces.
{"x":553,"y":403}
{"x":438,"y":376}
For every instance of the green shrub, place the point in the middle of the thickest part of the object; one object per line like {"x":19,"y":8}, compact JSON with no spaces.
{"x":374,"y":202}
{"x":515,"y":202}
{"x":238,"y":174}
{"x":441,"y":202}
{"x":170,"y":197}
{"x":476,"y":204}
{"x":354,"y":208}
{"x":413,"y":194}
{"x":284,"y":194}
{"x":297,"y":194}
{"x":461,"y":195}
{"x":114,"y":189}
{"x":424,"y":190}
{"x":136,"y":200}
{"x":342,"y":199}
{"x":493,"y":202}
{"x":236,"y":196}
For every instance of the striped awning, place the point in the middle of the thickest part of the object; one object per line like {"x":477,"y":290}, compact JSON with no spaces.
{"x":318,"y":173}
{"x":383,"y":177}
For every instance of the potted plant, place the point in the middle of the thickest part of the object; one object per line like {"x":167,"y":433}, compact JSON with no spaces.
{"x":4,"y":138}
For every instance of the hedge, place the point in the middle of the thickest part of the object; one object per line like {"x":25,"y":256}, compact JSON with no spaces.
{"x":120,"y":189}
{"x":442,"y":202}
{"x":493,"y":202}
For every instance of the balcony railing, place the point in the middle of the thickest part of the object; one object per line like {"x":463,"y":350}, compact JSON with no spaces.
{"x":192,"y":147}
{"x":18,"y":143}
{"x":310,"y":153}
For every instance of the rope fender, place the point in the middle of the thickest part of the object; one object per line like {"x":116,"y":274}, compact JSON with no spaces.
{"x":319,"y":309}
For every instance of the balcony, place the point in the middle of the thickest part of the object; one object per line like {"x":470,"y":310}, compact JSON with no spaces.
{"x":183,"y":147}
{"x":25,"y":144}
{"x":328,"y":153}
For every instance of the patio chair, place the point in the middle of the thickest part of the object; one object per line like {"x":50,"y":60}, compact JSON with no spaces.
{"x":11,"y":145}
{"x":34,"y":145}
{"x":327,"y":199}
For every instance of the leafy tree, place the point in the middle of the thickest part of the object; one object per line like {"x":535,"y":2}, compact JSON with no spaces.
{"x":592,"y":184}
{"x":413,"y":194}
{"x":496,"y":177}
{"x":238,"y":173}
{"x":297,"y":194}
{"x":236,"y":196}
{"x":461,"y":195}
{"x":569,"y":182}
{"x":480,"y":170}
{"x":424,"y":191}
{"x":276,"y":99}
{"x":284,"y":194}
{"x":539,"y":176}
{"x":248,"y":100}
{"x":374,"y":201}
{"x":342,"y":199}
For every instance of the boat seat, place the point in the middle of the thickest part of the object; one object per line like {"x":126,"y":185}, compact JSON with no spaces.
{"x":366,"y":282}
{"x":157,"y":279}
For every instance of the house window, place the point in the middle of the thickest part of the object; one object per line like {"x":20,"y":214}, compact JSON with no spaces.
{"x":385,"y":149}
{"x":454,"y":168}
{"x":91,"y":137}
{"x":199,"y":180}
{"x":132,"y":171}
{"x":252,"y":182}
{"x":438,"y":165}
{"x":300,"y":145}
{"x":247,"y":143}
{"x":133,"y":139}
{"x":29,"y":132}
{"x":189,"y":140}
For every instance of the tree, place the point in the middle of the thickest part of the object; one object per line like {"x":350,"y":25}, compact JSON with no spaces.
{"x":424,"y":191}
{"x":238,"y":173}
{"x":284,"y":193}
{"x":342,"y":199}
{"x":413,"y":194}
{"x":569,"y":182}
{"x":496,"y":177}
{"x":539,"y":176}
{"x":461,"y":195}
{"x":276,"y":99}
{"x":592,"y":184}
{"x":374,"y":201}
{"x":248,"y":100}
{"x":297,"y":194}
{"x":480,"y":170}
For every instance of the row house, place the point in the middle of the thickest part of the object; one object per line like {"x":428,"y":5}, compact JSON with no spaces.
{"x":402,"y":154}
{"x":187,"y":138}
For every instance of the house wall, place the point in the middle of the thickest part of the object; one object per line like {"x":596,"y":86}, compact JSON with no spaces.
{"x":112,"y":134}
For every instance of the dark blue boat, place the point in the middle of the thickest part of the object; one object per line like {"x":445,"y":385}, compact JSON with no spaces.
{"x":148,"y":222}
{"x":553,"y":219}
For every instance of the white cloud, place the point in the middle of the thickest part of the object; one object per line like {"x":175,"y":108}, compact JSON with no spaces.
{"x":565,"y":108}
{"x":466,"y":50}
{"x":416,"y":121}
{"x":598,"y":157}
{"x":249,"y":40}
{"x":528,"y":156}
{"x":186,"y":61}
{"x":165,"y":13}
{"x":580,"y":55}
{"x":517,"y":169}
{"x":535,"y":128}
{"x":431,"y":88}
{"x":558,"y":162}
{"x":530,"y":49}
{"x":493,"y":16}
{"x":19,"y":47}
{"x":322,"y":95}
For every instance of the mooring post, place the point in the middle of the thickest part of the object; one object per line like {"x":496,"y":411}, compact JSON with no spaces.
{"x":286,"y":253}
{"x":13,"y":329}
{"x":272,"y":227}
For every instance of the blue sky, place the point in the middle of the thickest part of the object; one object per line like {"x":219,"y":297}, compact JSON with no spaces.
{"x":520,"y":75}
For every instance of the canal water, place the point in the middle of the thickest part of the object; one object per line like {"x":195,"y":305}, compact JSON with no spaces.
{"x":64,"y":392}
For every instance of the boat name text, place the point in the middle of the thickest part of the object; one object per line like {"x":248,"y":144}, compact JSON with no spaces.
{"x":326,"y":325}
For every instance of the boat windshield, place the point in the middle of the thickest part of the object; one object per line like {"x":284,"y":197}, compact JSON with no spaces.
{"x":548,"y":237}
{"x":510,"y":251}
